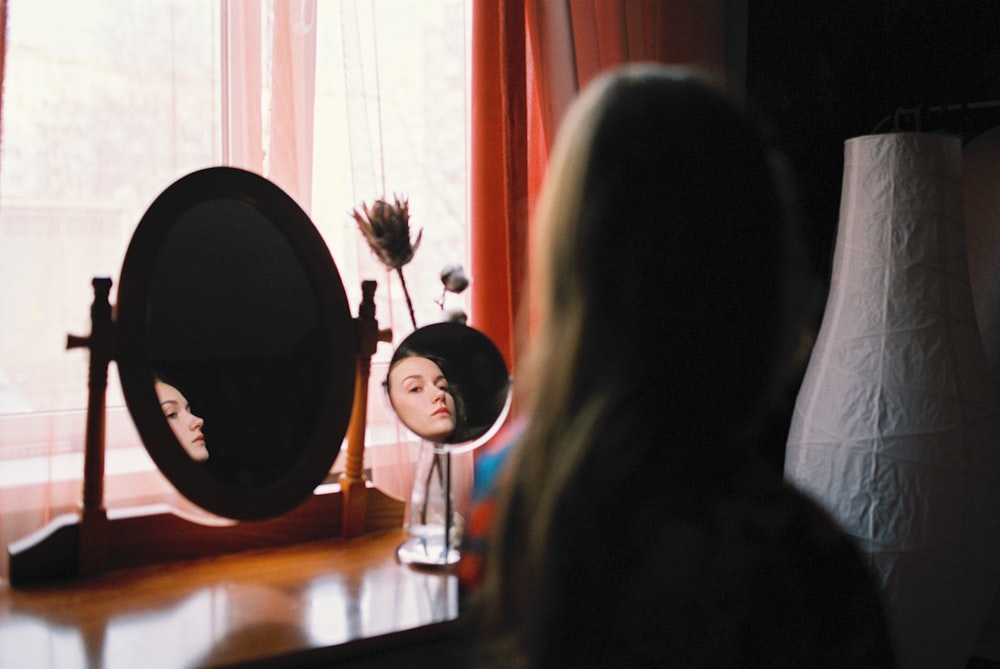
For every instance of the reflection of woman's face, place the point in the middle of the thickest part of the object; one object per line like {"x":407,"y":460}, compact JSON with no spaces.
{"x":186,"y":426}
{"x":419,"y":394}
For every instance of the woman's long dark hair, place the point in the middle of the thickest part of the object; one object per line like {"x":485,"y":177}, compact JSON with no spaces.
{"x":660,"y":258}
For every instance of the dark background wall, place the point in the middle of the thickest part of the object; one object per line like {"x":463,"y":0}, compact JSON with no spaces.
{"x":823,"y":71}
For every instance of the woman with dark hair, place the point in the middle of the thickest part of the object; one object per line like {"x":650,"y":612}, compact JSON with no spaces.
{"x":186,"y":426}
{"x":423,"y":397}
{"x":634,"y":526}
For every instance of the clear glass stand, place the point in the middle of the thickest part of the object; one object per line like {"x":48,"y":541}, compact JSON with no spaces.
{"x":434,"y":526}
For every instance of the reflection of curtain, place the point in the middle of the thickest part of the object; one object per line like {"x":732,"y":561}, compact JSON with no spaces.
{"x":537,"y":54}
{"x":270,"y":82}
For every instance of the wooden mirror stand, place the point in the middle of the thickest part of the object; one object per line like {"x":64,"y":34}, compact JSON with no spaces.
{"x":97,"y":540}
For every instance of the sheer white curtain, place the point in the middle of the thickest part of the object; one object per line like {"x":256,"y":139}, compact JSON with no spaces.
{"x":105,"y":104}
{"x":392,"y":119}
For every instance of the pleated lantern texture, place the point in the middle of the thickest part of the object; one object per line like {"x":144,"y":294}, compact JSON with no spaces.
{"x":896,"y":429}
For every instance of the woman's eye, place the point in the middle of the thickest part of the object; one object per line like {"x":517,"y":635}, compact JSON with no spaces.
{"x":171,"y":415}
{"x":414,"y":389}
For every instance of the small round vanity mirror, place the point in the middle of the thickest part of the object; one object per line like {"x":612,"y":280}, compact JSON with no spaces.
{"x":235,"y":344}
{"x":449,"y":385}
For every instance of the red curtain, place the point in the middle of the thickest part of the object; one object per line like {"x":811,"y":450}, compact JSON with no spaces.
{"x":529,"y":60}
{"x":498,"y":190}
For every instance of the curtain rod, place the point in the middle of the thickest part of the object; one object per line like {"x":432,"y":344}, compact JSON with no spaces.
{"x":917,"y":113}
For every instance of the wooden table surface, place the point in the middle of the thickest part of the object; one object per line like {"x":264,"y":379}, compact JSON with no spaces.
{"x":305,"y":604}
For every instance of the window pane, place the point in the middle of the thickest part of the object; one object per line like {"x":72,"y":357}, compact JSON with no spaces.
{"x":105,"y":104}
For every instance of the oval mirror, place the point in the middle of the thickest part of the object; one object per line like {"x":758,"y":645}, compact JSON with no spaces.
{"x":461,"y":359}
{"x":229,"y":294}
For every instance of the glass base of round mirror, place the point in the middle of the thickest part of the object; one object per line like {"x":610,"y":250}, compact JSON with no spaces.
{"x":427,"y":552}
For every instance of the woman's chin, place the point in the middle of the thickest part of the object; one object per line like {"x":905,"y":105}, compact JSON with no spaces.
{"x":198,"y":453}
{"x":437,"y":436}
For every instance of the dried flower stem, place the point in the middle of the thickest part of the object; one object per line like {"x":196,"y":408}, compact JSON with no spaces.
{"x":406,"y":294}
{"x":386,"y":227}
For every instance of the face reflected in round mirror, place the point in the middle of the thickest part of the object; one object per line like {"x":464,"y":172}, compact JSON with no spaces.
{"x":448,"y":383}
{"x":421,"y":396}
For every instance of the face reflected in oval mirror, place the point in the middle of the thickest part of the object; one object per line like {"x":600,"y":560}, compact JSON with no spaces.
{"x":448,"y":383}
{"x":185,"y":425}
{"x":235,"y":344}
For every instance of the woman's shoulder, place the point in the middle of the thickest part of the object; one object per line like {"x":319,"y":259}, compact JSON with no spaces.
{"x":776,"y":509}
{"x":753,"y":573}
{"x":785,"y":533}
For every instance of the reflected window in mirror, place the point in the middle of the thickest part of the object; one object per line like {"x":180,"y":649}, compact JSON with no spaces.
{"x":94,"y":128}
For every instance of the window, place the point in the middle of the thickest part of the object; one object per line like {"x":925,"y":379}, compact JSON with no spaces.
{"x":107,"y":103}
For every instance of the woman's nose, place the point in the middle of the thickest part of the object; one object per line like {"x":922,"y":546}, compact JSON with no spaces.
{"x":196,"y":422}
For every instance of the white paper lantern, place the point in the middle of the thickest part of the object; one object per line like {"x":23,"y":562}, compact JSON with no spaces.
{"x":896,"y":429}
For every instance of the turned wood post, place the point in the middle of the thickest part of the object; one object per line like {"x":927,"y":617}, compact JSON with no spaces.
{"x":352,"y":481}
{"x":93,"y":551}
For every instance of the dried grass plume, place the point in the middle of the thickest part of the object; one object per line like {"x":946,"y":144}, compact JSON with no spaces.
{"x":386,"y":228}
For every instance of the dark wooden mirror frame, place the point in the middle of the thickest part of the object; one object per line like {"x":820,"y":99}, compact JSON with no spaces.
{"x":194,"y":480}
{"x":95,"y":540}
